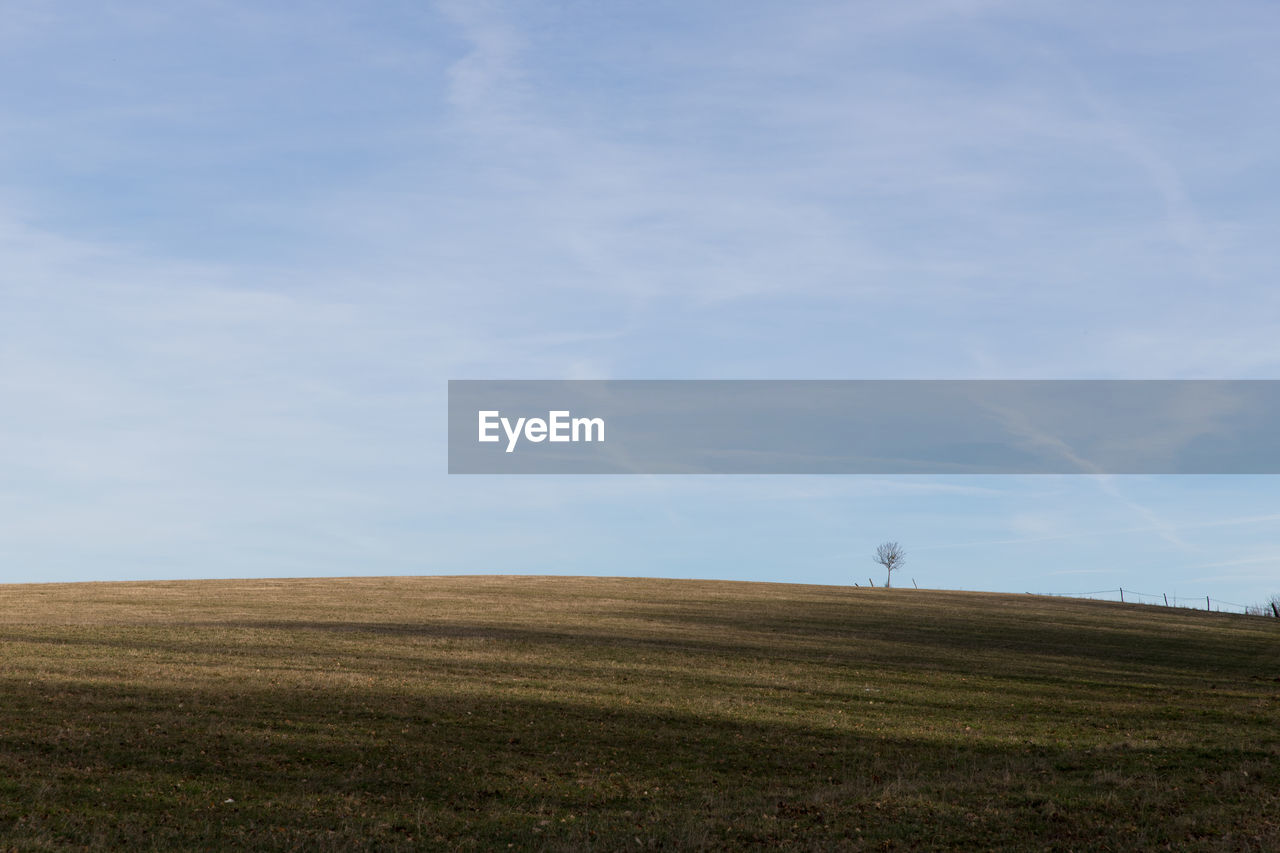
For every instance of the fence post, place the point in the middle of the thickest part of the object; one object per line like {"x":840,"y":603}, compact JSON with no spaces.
{"x":913,"y":583}
{"x":1275,"y":610}
{"x":1122,"y":595}
{"x":1206,"y":603}
{"x":871,"y":582}
{"x":1166,"y":598}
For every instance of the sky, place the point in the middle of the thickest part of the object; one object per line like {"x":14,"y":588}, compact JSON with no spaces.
{"x":244,"y":245}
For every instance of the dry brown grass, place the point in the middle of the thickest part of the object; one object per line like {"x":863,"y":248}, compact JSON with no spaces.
{"x":597,"y":713}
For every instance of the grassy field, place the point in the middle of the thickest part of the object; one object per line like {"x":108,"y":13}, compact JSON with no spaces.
{"x":584,"y":713}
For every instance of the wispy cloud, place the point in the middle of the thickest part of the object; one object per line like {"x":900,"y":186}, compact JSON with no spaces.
{"x":487,"y":80}
{"x":244,"y":246}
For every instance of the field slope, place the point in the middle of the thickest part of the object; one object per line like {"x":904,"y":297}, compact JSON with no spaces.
{"x":588,"y":713}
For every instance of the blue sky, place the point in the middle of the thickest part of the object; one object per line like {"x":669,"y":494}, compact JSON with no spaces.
{"x":244,"y":245}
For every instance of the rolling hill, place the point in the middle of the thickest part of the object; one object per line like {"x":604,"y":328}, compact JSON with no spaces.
{"x":610,"y":713}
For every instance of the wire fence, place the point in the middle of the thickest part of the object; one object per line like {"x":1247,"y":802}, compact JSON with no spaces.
{"x":1133,"y":596}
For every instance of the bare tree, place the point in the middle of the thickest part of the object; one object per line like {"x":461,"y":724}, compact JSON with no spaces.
{"x":1267,"y":608}
{"x":891,"y":556}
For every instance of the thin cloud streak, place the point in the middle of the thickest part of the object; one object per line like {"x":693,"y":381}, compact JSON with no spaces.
{"x":244,"y":248}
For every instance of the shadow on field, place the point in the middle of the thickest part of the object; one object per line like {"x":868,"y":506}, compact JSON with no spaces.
{"x":1167,"y":644}
{"x":272,"y":768}
{"x":775,"y":718}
